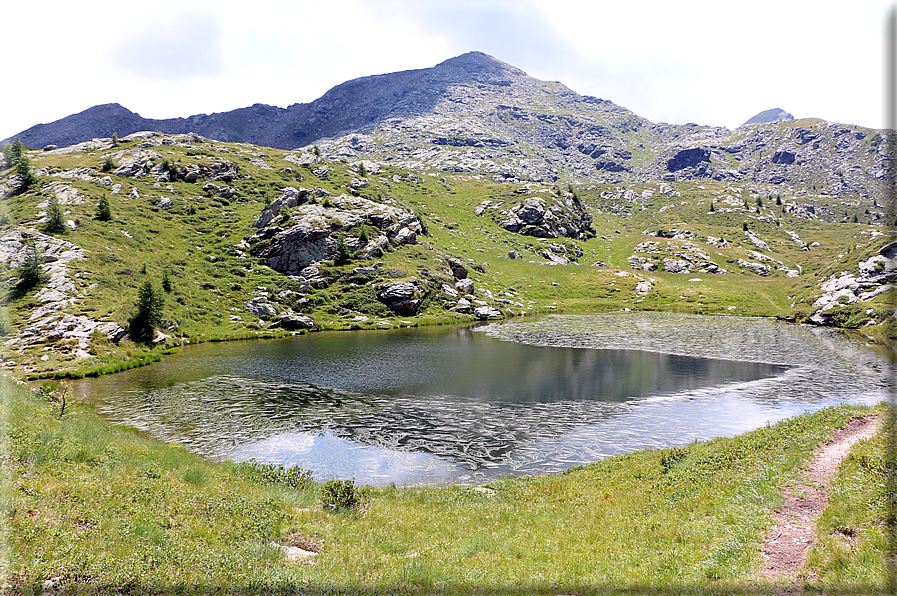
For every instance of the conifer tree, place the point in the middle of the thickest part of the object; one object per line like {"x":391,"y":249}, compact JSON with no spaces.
{"x":55,"y":223}
{"x":148,"y":312}
{"x":31,"y":272}
{"x":104,"y":211}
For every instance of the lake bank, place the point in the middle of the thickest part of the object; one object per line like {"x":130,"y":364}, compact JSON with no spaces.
{"x":100,"y":508}
{"x":468,"y":404}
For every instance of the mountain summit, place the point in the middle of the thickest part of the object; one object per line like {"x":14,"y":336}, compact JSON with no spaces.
{"x":773,"y":115}
{"x":345,"y":108}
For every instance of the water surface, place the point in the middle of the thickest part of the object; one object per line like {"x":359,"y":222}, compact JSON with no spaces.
{"x":465,"y":404}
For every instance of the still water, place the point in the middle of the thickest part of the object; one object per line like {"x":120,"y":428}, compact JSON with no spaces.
{"x":465,"y":404}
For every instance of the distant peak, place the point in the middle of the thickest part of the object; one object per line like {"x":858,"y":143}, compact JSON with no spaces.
{"x":773,"y":115}
{"x":477,"y":62}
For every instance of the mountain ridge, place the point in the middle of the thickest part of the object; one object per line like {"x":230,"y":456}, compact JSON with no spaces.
{"x":473,"y":113}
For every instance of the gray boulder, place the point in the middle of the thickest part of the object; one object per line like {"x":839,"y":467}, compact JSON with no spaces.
{"x":295,"y":322}
{"x":459,"y":271}
{"x":465,"y":286}
{"x":402,"y":297}
{"x":676,"y":266}
{"x":486,"y":312}
{"x":261,"y":308}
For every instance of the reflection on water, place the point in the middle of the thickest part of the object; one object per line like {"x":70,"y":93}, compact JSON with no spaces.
{"x":432,"y":405}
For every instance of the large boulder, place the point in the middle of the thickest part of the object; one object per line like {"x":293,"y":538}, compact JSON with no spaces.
{"x":261,"y":308}
{"x":401,"y":297}
{"x":564,"y":216}
{"x":295,"y":322}
{"x":312,"y":233}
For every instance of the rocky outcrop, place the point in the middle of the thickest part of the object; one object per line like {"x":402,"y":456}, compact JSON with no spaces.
{"x":535,"y":216}
{"x":672,"y":257}
{"x":871,"y":278}
{"x":57,"y":297}
{"x":309,"y":233}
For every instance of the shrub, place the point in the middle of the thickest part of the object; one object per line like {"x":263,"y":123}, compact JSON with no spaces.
{"x":340,"y":494}
{"x":166,"y":282}
{"x":343,"y":256}
{"x":108,"y":165}
{"x":263,"y":473}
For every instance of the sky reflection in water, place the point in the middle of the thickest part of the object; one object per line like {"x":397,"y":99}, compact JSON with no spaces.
{"x":436,"y":405}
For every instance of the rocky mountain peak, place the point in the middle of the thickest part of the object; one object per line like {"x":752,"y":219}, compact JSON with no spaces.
{"x":477,"y":63}
{"x":773,"y":115}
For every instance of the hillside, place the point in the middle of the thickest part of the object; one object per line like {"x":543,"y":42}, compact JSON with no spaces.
{"x":248,"y":241}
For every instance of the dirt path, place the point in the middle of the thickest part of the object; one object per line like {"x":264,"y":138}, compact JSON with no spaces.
{"x":786,"y":547}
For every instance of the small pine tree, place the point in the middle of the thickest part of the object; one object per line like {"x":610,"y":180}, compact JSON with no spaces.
{"x":55,"y":223}
{"x":16,"y":151}
{"x":108,"y":165}
{"x":712,"y":208}
{"x":362,"y":171}
{"x":166,"y":282}
{"x":104,"y":211}
{"x":744,"y":226}
{"x":778,"y":199}
{"x":31,"y":271}
{"x":115,"y":139}
{"x":343,"y":255}
{"x":148,"y":312}
{"x":27,"y":179}
{"x":317,"y":151}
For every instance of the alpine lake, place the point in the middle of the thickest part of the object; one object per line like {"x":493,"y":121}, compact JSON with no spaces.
{"x":439,"y":405}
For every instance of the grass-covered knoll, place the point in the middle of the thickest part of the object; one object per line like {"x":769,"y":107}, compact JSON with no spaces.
{"x":188,"y":240}
{"x":102,"y":509}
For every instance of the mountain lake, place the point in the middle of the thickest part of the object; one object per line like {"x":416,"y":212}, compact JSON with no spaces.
{"x":464,"y":404}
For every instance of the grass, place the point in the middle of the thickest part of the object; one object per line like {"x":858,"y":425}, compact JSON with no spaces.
{"x":105,"y":509}
{"x":197,"y":243}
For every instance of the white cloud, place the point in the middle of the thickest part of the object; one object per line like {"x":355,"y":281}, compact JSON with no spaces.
{"x":172,"y":47}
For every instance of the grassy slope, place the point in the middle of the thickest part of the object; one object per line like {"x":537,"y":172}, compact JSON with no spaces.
{"x":103,"y":508}
{"x":195,"y":242}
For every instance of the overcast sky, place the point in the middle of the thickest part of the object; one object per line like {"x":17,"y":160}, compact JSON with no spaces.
{"x":711,"y":62}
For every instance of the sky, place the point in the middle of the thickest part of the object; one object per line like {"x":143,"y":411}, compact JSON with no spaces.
{"x":709,"y":62}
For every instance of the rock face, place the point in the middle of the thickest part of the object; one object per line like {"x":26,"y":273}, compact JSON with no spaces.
{"x":304,"y":234}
